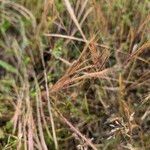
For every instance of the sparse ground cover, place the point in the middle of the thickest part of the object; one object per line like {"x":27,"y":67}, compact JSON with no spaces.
{"x":74,"y":74}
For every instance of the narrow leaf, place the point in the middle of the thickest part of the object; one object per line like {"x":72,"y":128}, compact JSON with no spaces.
{"x":7,"y":66}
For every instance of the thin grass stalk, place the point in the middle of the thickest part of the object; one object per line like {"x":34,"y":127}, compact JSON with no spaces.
{"x":50,"y":112}
{"x":39,"y":124}
{"x":77,"y":132}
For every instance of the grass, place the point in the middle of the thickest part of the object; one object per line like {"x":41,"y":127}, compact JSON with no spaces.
{"x":74,"y":75}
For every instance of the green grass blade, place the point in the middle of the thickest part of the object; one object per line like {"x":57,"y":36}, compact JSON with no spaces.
{"x":8,"y":67}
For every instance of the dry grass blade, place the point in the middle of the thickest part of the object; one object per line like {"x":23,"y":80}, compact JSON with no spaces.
{"x":140,"y":81}
{"x":84,"y":17}
{"x":64,"y":61}
{"x":75,"y":38}
{"x":100,"y":74}
{"x":30,"y":133}
{"x":146,"y":21}
{"x":147,"y":112}
{"x":138,"y":51}
{"x":72,"y":14}
{"x":59,"y":84}
{"x":66,"y":80}
{"x":74,"y":30}
{"x":85,"y":68}
{"x":50,"y":112}
{"x":48,"y":102}
{"x":77,"y":132}
{"x":66,"y":37}
{"x":82,"y":9}
{"x":25,"y":12}
{"x":39,"y":122}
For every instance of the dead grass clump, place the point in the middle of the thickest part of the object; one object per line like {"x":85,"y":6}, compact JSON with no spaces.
{"x":74,"y":74}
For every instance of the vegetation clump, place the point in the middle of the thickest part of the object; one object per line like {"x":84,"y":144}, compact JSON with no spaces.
{"x":74,"y":74}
